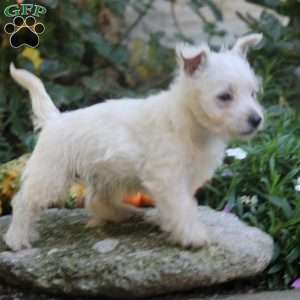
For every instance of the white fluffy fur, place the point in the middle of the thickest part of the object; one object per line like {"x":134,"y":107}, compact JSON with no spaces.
{"x":166,"y":145}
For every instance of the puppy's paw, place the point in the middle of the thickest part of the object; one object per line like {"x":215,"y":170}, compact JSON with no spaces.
{"x":194,"y":235}
{"x":93,"y":222}
{"x":199,"y":238}
{"x":15,"y":242}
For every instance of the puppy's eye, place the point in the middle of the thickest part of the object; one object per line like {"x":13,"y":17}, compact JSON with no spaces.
{"x":225,"y":97}
{"x":253,"y":94}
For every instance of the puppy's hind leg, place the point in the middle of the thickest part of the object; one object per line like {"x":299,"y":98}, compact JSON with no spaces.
{"x":38,"y":191}
{"x":104,"y":207}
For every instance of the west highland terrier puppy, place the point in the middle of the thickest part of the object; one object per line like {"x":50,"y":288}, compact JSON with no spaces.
{"x":166,"y":145}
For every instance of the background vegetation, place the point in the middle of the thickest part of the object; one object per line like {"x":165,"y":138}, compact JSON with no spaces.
{"x":84,"y":58}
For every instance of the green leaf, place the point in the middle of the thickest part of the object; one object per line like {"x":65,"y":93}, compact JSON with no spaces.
{"x":199,"y":4}
{"x":50,"y":3}
{"x":275,"y":269}
{"x":293,"y":256}
{"x":64,"y":95}
{"x":283,"y":204}
{"x":117,"y":6}
{"x":50,"y":68}
{"x":105,"y":48}
{"x":274,"y":4}
{"x":214,"y":9}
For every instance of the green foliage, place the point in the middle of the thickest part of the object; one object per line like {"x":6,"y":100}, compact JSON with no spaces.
{"x":279,"y":56}
{"x":270,"y":172}
{"x":289,"y":8}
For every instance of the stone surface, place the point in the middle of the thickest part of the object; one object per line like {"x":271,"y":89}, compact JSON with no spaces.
{"x":106,"y":245}
{"x":160,"y":19}
{"x":132,"y":259}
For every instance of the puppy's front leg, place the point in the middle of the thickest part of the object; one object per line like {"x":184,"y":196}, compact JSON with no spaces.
{"x":179,"y":213}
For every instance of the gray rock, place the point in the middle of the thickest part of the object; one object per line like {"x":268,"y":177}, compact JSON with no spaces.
{"x":106,"y":246}
{"x":131,"y":259}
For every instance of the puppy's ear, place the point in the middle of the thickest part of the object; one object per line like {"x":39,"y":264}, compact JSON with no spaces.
{"x":192,"y":58}
{"x":243,"y":44}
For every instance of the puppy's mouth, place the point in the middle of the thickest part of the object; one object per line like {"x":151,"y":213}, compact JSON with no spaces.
{"x":249,"y":133}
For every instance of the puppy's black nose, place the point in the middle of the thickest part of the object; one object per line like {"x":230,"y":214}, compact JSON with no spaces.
{"x":254,"y":120}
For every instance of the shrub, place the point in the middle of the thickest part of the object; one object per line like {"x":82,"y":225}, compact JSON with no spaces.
{"x":279,"y":56}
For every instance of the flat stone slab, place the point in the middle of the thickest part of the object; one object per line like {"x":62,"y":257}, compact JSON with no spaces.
{"x":132,"y":259}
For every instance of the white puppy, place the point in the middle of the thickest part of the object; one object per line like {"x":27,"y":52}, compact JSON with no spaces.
{"x":166,"y":145}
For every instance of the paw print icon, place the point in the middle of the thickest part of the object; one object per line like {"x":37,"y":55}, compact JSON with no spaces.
{"x":24,"y":32}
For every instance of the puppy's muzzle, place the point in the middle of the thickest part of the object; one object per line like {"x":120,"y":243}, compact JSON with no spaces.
{"x":254,"y":120}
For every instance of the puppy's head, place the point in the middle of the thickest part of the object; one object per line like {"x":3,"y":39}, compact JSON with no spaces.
{"x":222,"y":88}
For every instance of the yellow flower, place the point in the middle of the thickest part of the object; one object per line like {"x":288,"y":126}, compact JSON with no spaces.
{"x":78,"y":193}
{"x":34,"y":56}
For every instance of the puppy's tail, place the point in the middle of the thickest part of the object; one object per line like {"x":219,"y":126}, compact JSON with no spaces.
{"x":42,"y":105}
